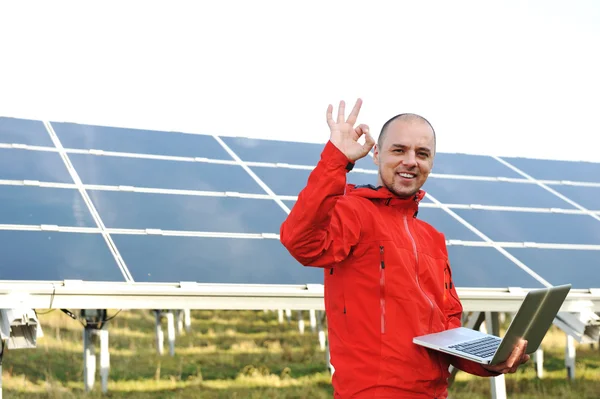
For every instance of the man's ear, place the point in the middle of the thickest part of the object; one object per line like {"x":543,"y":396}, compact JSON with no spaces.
{"x":376,"y":155}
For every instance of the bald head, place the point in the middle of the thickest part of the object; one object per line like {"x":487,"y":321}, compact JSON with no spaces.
{"x":407,"y":117}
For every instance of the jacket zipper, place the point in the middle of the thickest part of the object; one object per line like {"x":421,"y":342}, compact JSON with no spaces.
{"x":417,"y":271}
{"x":417,"y":279}
{"x":382,"y":288}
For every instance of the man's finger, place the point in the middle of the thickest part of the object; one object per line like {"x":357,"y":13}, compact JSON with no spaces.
{"x":341,"y":112}
{"x":369,"y":141}
{"x":329,"y":116}
{"x":515,"y":355}
{"x":354,"y":113}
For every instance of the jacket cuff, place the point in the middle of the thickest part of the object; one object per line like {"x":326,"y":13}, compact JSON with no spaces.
{"x":334,"y":158}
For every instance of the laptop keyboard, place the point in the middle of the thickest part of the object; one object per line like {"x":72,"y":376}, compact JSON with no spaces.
{"x":482,"y":347}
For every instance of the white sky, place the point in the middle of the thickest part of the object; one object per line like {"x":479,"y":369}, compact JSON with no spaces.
{"x":513,"y":78}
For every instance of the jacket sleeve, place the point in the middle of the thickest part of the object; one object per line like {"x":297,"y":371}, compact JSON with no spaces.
{"x":322,"y":228}
{"x":453,"y":310}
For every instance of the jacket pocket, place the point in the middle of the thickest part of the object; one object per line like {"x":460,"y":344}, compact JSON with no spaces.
{"x":382,"y":287}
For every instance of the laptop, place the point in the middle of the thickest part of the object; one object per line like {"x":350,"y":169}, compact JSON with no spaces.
{"x":532,"y":321}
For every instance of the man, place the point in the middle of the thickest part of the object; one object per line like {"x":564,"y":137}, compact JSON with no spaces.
{"x":387,"y":273}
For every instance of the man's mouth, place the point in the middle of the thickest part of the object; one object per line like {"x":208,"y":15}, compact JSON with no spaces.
{"x":407,"y":175}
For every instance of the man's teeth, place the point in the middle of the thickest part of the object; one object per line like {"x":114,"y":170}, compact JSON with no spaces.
{"x":407,"y":175}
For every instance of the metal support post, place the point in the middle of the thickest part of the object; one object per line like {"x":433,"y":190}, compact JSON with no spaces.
{"x":570,"y":357}
{"x":96,"y":329}
{"x":320,"y":320}
{"x":187,"y":320}
{"x":89,"y":359}
{"x":313,"y":319}
{"x":288,"y":314}
{"x":498,"y":384}
{"x":104,"y":358}
{"x":171,"y":331}
{"x":539,"y":362}
{"x":280,"y":316}
{"x":160,"y":337}
{"x":300,"y":322}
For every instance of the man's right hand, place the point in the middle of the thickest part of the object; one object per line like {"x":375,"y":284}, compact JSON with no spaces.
{"x":343,"y":134}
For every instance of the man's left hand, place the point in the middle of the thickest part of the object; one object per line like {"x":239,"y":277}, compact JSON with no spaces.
{"x":516,"y":358}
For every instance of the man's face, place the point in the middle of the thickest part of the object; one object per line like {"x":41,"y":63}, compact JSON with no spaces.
{"x":405,"y":157}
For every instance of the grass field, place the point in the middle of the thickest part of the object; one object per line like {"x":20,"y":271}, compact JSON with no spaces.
{"x":239,"y":354}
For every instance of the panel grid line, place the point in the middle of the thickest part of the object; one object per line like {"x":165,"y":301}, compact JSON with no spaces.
{"x":257,"y":179}
{"x":77,"y":180}
{"x":235,"y":194}
{"x":272,"y":236}
{"x":287,"y":165}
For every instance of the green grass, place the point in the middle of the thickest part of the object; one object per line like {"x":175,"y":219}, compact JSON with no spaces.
{"x":239,"y":354}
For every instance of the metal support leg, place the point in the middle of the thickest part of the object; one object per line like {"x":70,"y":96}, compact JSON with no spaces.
{"x":171,"y":331}
{"x":89,"y":359}
{"x":320,"y":320}
{"x":104,"y":358}
{"x":288,"y":314}
{"x":160,"y":337}
{"x":300,"y":322}
{"x":570,"y":357}
{"x":187,"y":320}
{"x":498,"y":384}
{"x":313,"y":319}
{"x":539,"y":363}
{"x":179,"y":329}
{"x":280,"y":316}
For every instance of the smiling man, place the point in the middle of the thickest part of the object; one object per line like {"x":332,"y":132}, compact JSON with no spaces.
{"x":387,"y":273}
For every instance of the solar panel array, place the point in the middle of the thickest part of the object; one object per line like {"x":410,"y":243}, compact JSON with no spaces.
{"x":112,"y":204}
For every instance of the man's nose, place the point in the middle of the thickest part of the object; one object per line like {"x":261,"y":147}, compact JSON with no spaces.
{"x":410,"y":160}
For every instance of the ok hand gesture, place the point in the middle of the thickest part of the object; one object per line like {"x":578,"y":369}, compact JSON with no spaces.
{"x":343,"y":134}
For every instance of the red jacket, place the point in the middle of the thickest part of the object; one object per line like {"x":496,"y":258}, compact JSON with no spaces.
{"x":387,"y":280}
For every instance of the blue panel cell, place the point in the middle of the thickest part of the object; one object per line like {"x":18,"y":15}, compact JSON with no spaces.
{"x":24,"y":131}
{"x":33,"y":165}
{"x":562,"y":266}
{"x":499,"y":193}
{"x":52,"y":256}
{"x":187,"y":212}
{"x":276,"y":151}
{"x":37,"y":205}
{"x":487,"y":268}
{"x":534,"y":227}
{"x":544,"y":169}
{"x":154,"y":173}
{"x":588,"y":197}
{"x":154,"y":142}
{"x":446,"y":224}
{"x":212,"y":260}
{"x":472,"y":165}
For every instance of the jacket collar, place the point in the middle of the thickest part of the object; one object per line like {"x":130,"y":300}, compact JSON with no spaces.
{"x":384,"y":195}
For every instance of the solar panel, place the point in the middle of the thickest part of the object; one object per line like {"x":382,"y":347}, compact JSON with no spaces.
{"x":180,"y":207}
{"x":138,"y":141}
{"x":56,"y":256}
{"x":18,"y":164}
{"x":49,"y":206}
{"x":543,"y":169}
{"x":23,"y":131}
{"x":127,"y":210}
